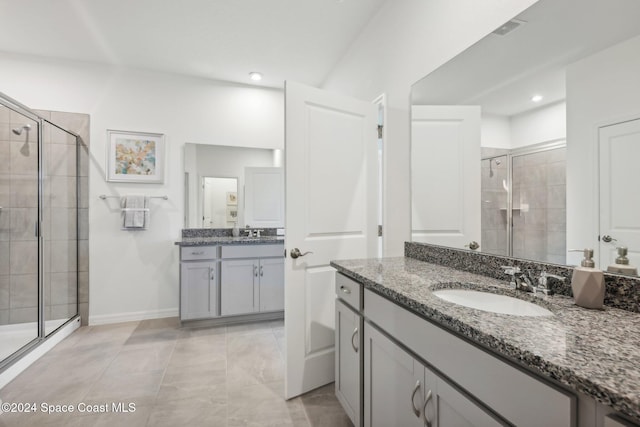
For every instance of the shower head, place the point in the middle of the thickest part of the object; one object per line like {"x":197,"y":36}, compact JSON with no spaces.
{"x":18,"y":131}
{"x":497,"y":161}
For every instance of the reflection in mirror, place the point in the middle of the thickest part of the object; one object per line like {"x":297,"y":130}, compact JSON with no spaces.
{"x":563,"y":73}
{"x":219,"y":202}
{"x":215,"y":183}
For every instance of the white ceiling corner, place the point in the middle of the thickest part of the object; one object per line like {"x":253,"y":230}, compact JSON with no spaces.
{"x":217,"y":39}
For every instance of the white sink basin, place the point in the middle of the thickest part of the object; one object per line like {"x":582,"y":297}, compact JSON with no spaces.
{"x":494,"y":303}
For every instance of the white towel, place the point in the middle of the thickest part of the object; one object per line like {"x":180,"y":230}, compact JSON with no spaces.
{"x":135,"y":212}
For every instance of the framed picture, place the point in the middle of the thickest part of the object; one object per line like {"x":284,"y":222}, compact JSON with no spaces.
{"x":232,"y":214}
{"x":232,"y":198}
{"x":135,"y":157}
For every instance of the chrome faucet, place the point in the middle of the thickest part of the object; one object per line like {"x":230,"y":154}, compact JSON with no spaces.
{"x":523,"y":280}
{"x":542,"y":282}
{"x":520,"y":281}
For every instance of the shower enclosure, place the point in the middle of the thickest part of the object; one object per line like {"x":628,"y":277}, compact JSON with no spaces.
{"x":39,"y":190}
{"x":524,"y":202}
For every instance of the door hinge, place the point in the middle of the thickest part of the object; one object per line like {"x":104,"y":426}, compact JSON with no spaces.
{"x":380,"y":127}
{"x":379,"y":230}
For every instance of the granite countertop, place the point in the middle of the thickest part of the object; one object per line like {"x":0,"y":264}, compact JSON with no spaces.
{"x":225,"y":240}
{"x":595,"y":352}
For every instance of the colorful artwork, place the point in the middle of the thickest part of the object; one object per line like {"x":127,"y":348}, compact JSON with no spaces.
{"x":135,"y":157}
{"x":232,"y":198}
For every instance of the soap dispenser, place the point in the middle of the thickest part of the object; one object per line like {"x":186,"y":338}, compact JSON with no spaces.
{"x":587,"y":282}
{"x":622,"y":264}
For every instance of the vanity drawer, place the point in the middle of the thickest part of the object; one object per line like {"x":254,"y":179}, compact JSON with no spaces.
{"x":253,"y":251}
{"x":190,"y":253}
{"x":349,"y":291}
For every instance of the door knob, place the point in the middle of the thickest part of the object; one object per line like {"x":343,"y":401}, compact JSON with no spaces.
{"x":608,"y":239}
{"x":295,"y":253}
{"x":473,"y":245}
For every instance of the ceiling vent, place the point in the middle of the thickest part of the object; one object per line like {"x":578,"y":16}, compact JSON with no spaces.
{"x":509,"y":26}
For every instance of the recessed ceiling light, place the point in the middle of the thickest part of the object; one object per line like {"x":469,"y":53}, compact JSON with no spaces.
{"x":536,"y":98}
{"x":255,"y":76}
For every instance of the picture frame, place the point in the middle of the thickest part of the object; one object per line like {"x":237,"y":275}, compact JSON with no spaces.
{"x":232,"y":198}
{"x":232,"y":214}
{"x":135,"y":157}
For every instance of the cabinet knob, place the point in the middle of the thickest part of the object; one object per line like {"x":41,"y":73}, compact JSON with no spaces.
{"x":345,"y":289}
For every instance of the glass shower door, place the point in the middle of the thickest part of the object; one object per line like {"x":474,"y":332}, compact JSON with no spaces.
{"x":494,"y":218}
{"x":59,"y":226}
{"x":19,"y":251}
{"x":539,"y":205}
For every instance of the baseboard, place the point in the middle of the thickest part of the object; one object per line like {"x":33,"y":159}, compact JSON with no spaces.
{"x":36,"y":352}
{"x":105,"y":319}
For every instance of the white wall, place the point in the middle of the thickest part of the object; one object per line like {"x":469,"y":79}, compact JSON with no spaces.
{"x":495,"y":131}
{"x":544,"y":124}
{"x":601,"y":89}
{"x":135,"y":274}
{"x":405,"y":41}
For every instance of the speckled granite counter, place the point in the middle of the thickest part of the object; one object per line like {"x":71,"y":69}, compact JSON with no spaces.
{"x":594,"y":352}
{"x":226,"y":240}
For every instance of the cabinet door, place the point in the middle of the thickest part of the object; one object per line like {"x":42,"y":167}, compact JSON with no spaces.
{"x":198,"y":290}
{"x":271,"y":274}
{"x":392,"y":395}
{"x":347,"y":350}
{"x":237,"y":294}
{"x":447,"y":407}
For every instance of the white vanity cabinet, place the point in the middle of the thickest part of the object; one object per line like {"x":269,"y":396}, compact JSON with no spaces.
{"x":401,"y":391}
{"x":251,"y":279}
{"x":198,"y":282}
{"x":348,"y":347}
{"x":509,"y":392}
{"x":411,"y":371}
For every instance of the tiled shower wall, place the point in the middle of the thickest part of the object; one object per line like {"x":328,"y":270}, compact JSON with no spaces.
{"x":539,"y":206}
{"x":18,"y":198}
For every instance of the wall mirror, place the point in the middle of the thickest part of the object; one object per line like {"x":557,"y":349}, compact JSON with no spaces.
{"x":522,"y":142}
{"x":219,"y":179}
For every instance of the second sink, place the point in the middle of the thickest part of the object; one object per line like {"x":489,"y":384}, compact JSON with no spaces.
{"x":494,"y":303}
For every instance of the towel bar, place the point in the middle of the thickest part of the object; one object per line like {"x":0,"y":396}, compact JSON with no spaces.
{"x":103,"y":197}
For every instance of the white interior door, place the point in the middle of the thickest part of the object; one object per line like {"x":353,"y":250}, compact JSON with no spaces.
{"x":264,"y":197}
{"x":331,"y":192}
{"x":445,"y":174}
{"x":619,"y":202}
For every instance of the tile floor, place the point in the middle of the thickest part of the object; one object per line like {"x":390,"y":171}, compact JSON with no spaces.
{"x":222,"y":376}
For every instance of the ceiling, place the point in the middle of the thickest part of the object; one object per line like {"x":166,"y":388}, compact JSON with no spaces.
{"x":502,"y":73}
{"x":299,"y":40}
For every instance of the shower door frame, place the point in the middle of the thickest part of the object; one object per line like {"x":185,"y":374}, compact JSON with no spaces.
{"x":20,"y":108}
{"x":553,"y":144}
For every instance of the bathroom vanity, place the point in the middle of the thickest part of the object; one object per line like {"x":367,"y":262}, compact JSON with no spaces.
{"x":406,"y":357}
{"x":231,"y":279}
